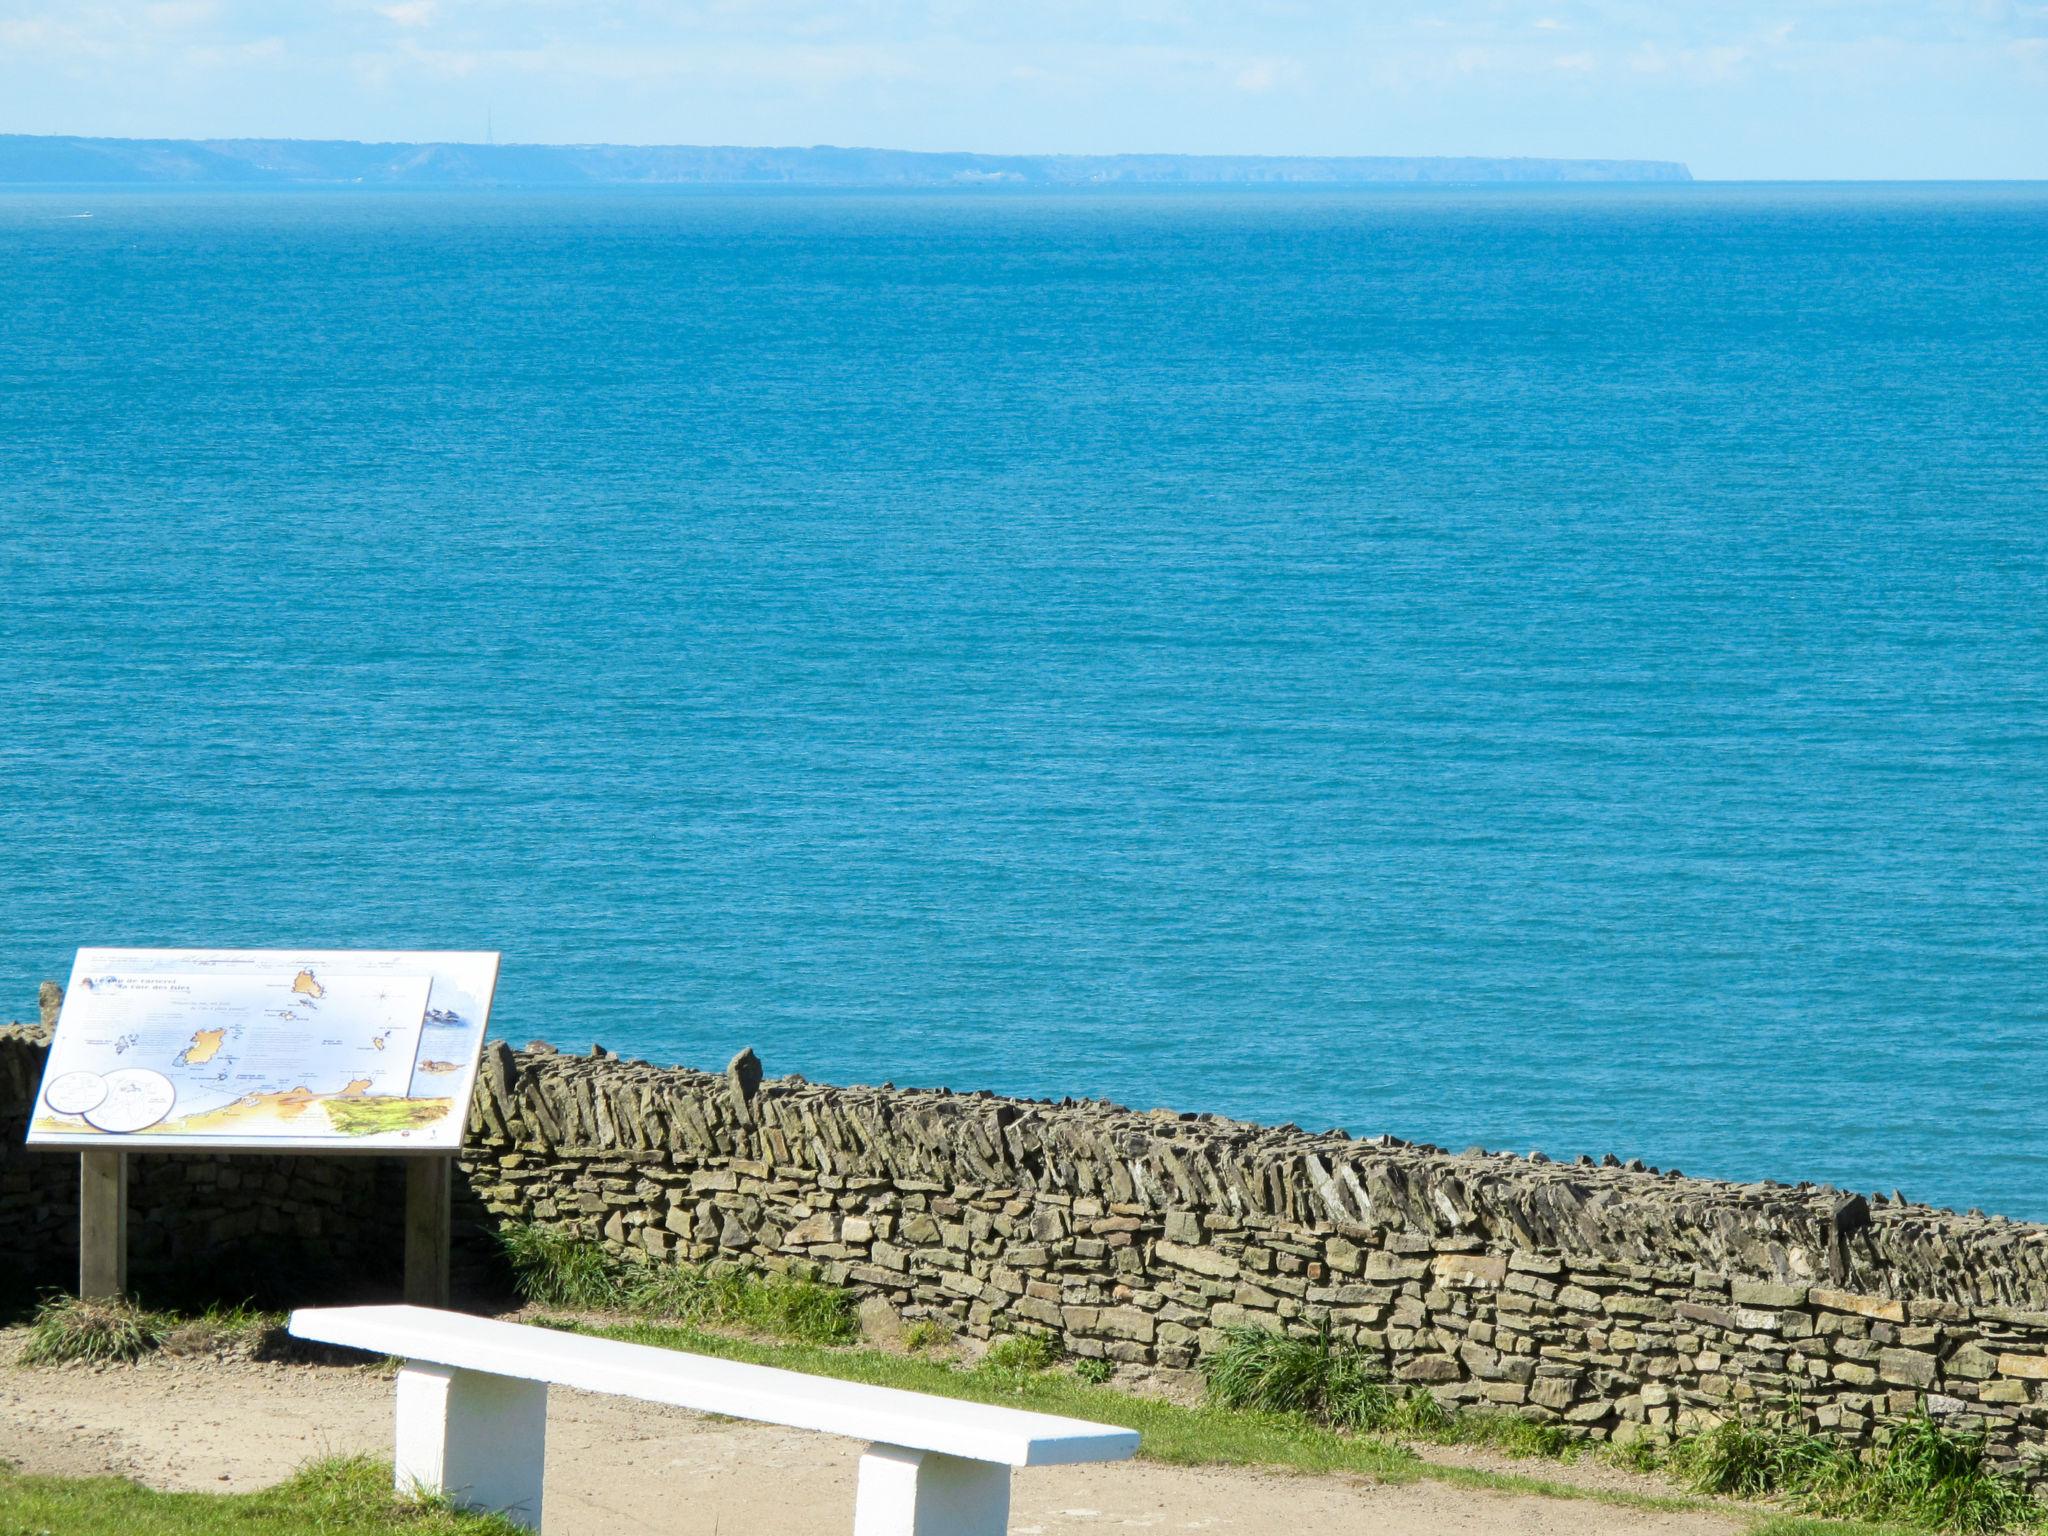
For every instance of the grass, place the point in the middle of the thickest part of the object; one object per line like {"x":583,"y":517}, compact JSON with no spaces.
{"x":1173,"y":1434}
{"x":553,"y":1268}
{"x":1021,"y":1352}
{"x":98,"y":1332}
{"x":1927,"y":1477}
{"x":1271,"y":1372}
{"x":1331,"y":1385}
{"x":1508,"y":1433}
{"x":556,"y":1269}
{"x":65,"y":1329}
{"x":350,"y":1496}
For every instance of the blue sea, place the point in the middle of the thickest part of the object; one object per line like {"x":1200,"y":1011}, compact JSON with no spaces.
{"x":1557,"y":668}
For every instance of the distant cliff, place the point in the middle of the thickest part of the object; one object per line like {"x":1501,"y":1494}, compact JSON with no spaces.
{"x":35,"y":159}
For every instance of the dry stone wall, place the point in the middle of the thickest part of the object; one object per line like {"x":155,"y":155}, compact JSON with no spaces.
{"x":1613,"y":1299}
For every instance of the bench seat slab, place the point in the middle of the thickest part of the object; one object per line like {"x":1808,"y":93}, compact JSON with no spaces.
{"x":478,"y":1439}
{"x":876,"y":1415}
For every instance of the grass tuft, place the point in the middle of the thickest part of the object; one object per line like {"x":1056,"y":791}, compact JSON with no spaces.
{"x":799,"y":1308}
{"x":1934,"y":1476}
{"x":793,"y":1306}
{"x":1635,"y":1455}
{"x":1927,"y":1476}
{"x":64,"y":1329}
{"x":1266,"y":1372}
{"x":100,"y":1332}
{"x":1021,"y":1352}
{"x":1508,"y":1433}
{"x":553,"y":1268}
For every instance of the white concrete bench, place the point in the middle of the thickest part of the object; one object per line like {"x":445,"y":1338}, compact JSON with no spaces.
{"x":473,"y":1417}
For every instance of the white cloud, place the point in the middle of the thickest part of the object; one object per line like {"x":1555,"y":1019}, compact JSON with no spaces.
{"x":1264,"y":74}
{"x":257,"y":50}
{"x":175,"y":14}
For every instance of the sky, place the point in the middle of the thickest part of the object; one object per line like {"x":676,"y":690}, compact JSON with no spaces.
{"x":1744,"y":89}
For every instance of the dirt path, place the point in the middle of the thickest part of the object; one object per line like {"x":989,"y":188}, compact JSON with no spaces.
{"x":616,"y":1467}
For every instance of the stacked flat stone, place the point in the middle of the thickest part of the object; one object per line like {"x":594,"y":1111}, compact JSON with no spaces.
{"x":1615,"y":1300}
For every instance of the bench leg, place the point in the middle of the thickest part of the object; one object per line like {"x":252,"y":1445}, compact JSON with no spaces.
{"x":481,"y":1440}
{"x":921,"y":1493}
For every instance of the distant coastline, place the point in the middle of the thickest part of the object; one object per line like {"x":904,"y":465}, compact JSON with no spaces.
{"x":35,"y":159}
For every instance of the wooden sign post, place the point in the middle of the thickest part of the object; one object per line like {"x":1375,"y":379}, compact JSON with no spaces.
{"x":429,"y":1228}
{"x":295,"y":1051}
{"x":102,"y":1225}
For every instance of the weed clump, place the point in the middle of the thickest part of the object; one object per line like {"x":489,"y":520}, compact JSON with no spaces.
{"x":1926,"y":1475}
{"x":795,"y":1307}
{"x":1270,"y":1372}
{"x":553,"y":1268}
{"x":1508,"y":1433}
{"x":99,"y":1332}
{"x":1933,"y":1476}
{"x":1022,"y":1352}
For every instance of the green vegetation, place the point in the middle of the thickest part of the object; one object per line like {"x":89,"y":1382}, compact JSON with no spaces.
{"x":927,"y":1333}
{"x":347,"y":1497}
{"x":67,"y":1329}
{"x":553,"y":1268}
{"x":1279,"y":1373}
{"x":114,"y":1332}
{"x":1508,"y":1433}
{"x":556,"y":1269}
{"x":1926,"y":1477}
{"x":1094,"y":1372}
{"x":1328,"y":1384}
{"x":1185,"y":1436}
{"x":1021,"y":1352}
{"x":782,"y":1306}
{"x":1173,"y":1434}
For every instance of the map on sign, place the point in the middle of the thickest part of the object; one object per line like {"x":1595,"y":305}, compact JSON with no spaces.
{"x":331,"y":1049}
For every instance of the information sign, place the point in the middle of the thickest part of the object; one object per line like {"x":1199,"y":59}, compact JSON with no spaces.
{"x":276,"y":1050}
